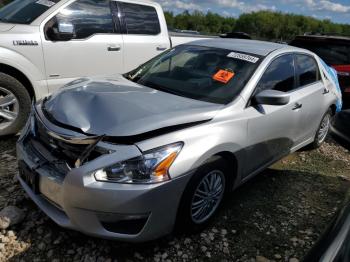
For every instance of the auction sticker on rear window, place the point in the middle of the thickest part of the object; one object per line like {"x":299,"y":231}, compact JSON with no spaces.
{"x":249,"y":58}
{"x":223,"y":76}
{"x":47,"y":3}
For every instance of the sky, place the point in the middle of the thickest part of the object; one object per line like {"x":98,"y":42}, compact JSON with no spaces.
{"x":336,"y":10}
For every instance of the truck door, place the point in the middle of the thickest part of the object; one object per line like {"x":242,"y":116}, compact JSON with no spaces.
{"x":94,"y":48}
{"x":145,"y":32}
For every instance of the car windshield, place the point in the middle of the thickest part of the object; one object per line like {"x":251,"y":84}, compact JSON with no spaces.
{"x":331,"y":52}
{"x":24,"y":11}
{"x":203,"y":73}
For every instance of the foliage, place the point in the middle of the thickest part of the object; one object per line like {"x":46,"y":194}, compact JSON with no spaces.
{"x":4,"y":2}
{"x":261,"y":25}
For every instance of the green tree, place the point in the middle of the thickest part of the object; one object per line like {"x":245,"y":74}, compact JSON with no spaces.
{"x":261,"y":25}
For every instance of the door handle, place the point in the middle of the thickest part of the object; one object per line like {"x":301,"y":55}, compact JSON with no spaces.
{"x":114,"y":48}
{"x":161,"y":48}
{"x":297,"y":106}
{"x":325,"y":91}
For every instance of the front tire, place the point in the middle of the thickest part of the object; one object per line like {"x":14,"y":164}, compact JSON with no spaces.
{"x":203,"y":195}
{"x":323,"y":130}
{"x":15,"y":104}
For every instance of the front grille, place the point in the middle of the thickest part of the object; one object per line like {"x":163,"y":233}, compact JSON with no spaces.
{"x":58,"y":148}
{"x":50,"y":149}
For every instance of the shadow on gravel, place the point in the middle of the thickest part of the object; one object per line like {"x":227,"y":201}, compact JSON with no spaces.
{"x":279,"y":212}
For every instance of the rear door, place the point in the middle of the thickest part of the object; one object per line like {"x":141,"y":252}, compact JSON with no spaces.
{"x":144,"y":32}
{"x":336,"y":53}
{"x":96,"y":49}
{"x":312,"y":93}
{"x":274,"y":130}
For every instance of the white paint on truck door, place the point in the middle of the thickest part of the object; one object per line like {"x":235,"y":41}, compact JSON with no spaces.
{"x":96,"y":49}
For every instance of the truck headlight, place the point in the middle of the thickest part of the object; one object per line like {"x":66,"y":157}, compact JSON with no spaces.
{"x":151,"y":167}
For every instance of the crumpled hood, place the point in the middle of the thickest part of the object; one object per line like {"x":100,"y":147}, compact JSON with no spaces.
{"x":6,"y":27}
{"x":117,"y":107}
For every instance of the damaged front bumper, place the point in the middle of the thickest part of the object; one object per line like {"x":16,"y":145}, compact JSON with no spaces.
{"x":74,"y":199}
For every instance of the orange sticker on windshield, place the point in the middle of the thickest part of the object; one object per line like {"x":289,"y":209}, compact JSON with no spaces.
{"x":223,"y":76}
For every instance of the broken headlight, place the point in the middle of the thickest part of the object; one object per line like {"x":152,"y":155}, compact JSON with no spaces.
{"x":151,"y":167}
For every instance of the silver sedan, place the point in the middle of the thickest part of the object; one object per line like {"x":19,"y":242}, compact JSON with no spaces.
{"x":130,"y":156}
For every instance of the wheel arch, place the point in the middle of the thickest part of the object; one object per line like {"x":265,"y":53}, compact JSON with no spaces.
{"x":20,"y":76}
{"x":232,"y":161}
{"x":333,"y":107}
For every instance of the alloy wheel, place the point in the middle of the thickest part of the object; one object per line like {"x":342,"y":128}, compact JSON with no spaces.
{"x":324,"y":128}
{"x":207,"y":196}
{"x":9,"y":108}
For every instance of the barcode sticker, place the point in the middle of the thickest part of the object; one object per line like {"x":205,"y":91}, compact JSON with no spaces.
{"x":47,"y":3}
{"x":248,"y":58}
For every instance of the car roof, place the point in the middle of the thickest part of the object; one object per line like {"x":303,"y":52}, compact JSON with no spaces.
{"x":261,"y":48}
{"x":140,"y":2}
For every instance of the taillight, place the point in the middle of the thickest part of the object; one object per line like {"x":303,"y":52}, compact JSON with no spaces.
{"x":343,"y":70}
{"x":344,"y":76}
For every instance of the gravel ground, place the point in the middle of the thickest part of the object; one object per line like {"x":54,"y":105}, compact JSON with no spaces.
{"x":277,"y":216}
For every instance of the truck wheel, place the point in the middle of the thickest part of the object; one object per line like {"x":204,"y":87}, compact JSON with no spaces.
{"x":202,"y":196}
{"x":323,"y":130}
{"x":15,"y":105}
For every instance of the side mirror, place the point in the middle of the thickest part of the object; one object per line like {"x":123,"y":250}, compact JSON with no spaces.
{"x":63,"y":31}
{"x":272,"y":97}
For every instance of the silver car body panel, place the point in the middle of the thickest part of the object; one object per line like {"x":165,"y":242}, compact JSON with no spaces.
{"x":253,"y":136}
{"x":122,"y":108}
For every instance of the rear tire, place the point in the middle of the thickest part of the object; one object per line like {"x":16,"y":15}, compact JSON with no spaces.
{"x":323,"y":130}
{"x":15,"y":105}
{"x":203,"y":196}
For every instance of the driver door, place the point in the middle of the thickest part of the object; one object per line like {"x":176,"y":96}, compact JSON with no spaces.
{"x":96,"y":48}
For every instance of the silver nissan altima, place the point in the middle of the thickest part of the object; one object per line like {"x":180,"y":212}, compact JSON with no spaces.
{"x":130,"y":156}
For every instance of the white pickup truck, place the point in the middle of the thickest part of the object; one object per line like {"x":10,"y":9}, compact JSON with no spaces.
{"x":45,"y":44}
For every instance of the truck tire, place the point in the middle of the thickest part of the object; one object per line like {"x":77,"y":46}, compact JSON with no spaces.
{"x":15,"y":105}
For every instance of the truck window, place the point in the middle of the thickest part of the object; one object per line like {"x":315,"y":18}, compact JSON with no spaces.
{"x":89,"y":17}
{"x":140,"y":19}
{"x":24,"y":11}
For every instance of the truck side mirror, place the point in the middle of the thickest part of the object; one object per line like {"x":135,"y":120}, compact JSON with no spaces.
{"x":63,"y":31}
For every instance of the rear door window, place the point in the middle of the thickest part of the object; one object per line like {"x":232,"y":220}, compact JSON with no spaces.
{"x":307,"y":70}
{"x":140,"y":19}
{"x":280,"y":75}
